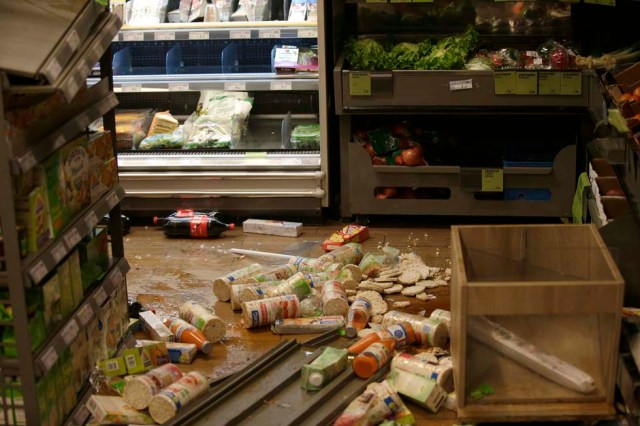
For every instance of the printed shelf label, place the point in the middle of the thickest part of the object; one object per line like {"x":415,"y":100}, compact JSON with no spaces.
{"x":571,"y":83}
{"x":100,"y":297}
{"x":269,"y":34}
{"x":72,"y":237}
{"x":85,"y":314}
{"x":235,"y":86}
{"x":505,"y":82}
{"x":198,"y":35}
{"x":360,"y":84}
{"x":549,"y":83}
{"x":49,"y":358}
{"x":526,"y":83}
{"x":461,"y":85}
{"x":91,"y":220}
{"x":240,"y":34}
{"x":69,"y":332}
{"x":492,"y":180}
{"x":178,"y":87}
{"x":59,"y":251}
{"x":133,"y":36}
{"x":280,"y":85}
{"x":164,"y":35}
{"x":38,"y":271}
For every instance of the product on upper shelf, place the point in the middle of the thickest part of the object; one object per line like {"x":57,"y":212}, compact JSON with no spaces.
{"x":293,"y":59}
{"x":448,"y":53}
{"x":297,"y":10}
{"x":306,"y":136}
{"x":147,"y":12}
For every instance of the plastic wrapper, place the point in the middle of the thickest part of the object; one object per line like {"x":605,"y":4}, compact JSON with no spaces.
{"x":219,"y":122}
{"x":556,"y":56}
{"x":172,"y":140}
{"x":306,"y":136}
{"x":131,"y":127}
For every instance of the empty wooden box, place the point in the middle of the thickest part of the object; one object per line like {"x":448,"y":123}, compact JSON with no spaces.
{"x":555,"y":286}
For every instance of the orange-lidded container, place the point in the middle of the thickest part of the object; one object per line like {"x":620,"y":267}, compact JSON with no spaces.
{"x":373,"y":358}
{"x":403,"y":333}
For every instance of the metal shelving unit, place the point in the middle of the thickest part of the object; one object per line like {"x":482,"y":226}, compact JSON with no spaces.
{"x":81,"y":38}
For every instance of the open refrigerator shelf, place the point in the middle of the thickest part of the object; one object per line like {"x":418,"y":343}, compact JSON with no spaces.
{"x":198,"y":82}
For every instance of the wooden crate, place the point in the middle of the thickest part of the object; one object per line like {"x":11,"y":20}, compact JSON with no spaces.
{"x":553,"y":285}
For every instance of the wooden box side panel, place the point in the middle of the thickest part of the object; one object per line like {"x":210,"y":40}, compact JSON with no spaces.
{"x":457,"y":332}
{"x":543,"y":298}
{"x":569,"y":250}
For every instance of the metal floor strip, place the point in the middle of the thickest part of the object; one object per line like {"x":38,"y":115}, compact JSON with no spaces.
{"x":268,"y":392}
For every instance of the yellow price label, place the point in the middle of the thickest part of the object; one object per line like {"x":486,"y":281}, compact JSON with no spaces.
{"x":360,"y":84}
{"x":602,"y":2}
{"x":505,"y":82}
{"x":423,"y":1}
{"x":376,"y":1}
{"x":492,"y":180}
{"x":549,"y":83}
{"x":255,"y":154}
{"x":526,"y":83}
{"x":399,"y":1}
{"x":571,"y":83}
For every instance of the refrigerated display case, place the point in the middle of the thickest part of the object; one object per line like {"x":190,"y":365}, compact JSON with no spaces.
{"x":174,"y":67}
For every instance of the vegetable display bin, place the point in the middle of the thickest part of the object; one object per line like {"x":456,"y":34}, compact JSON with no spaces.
{"x":521,"y":294}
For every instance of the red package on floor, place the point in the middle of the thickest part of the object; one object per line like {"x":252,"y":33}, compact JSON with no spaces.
{"x":348,"y":234}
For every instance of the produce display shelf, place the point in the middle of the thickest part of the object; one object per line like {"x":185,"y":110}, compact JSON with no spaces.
{"x":429,"y":90}
{"x":28,"y":51}
{"x":53,"y":141}
{"x":222,"y":160}
{"x":462,"y":185}
{"x":218,"y":31}
{"x":74,"y":75}
{"x":37,"y":265}
{"x":68,"y":330}
{"x":198,"y":82}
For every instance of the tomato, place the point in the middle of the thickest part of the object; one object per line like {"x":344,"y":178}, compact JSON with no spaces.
{"x":625,"y":97}
{"x":636,"y":92}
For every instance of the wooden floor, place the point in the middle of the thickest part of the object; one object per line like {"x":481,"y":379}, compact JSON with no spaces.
{"x":166,"y":272}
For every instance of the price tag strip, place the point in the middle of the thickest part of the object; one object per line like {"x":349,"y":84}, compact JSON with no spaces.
{"x":269,"y":34}
{"x":100,"y":297}
{"x":280,"y":85}
{"x":133,"y":36}
{"x":112,"y":199}
{"x":240,"y":34}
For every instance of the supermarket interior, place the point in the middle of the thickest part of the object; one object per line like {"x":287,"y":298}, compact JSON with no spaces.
{"x":310,"y":212}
